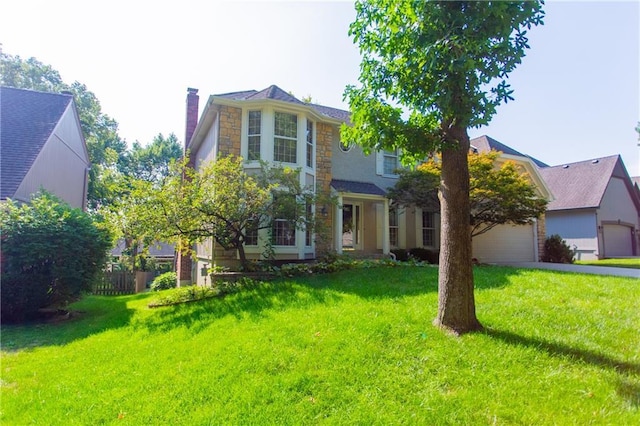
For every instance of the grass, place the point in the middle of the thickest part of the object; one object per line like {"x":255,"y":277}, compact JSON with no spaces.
{"x":355,"y":347}
{"x":630,"y":262}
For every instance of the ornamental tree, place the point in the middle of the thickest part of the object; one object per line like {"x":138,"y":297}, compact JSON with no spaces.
{"x":498,"y":193}
{"x":219,"y":200}
{"x":429,"y":71}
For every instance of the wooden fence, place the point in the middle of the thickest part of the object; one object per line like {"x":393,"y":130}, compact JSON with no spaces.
{"x":115,"y":283}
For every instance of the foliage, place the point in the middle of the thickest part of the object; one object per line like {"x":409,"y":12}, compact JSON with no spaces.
{"x":345,"y":348}
{"x":429,"y":71}
{"x":219,"y":200}
{"x":164,"y":281}
{"x":499,"y":193}
{"x":424,"y":255}
{"x":51,"y":254}
{"x":151,"y":162}
{"x":556,"y":250}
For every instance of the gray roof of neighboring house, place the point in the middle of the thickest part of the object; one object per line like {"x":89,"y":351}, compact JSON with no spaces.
{"x":485,"y":144}
{"x":155,"y":250}
{"x":357,"y":187}
{"x":581,"y":185}
{"x":273,"y":92}
{"x":26,"y":122}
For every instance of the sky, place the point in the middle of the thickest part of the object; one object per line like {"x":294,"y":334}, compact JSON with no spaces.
{"x":576,"y":92}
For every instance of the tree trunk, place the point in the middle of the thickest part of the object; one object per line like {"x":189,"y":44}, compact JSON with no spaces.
{"x":456,"y":304}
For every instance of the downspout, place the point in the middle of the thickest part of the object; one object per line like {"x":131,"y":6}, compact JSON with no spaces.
{"x":536,"y":251}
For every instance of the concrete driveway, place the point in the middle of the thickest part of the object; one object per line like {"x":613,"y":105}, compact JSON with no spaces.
{"x":582,"y":269}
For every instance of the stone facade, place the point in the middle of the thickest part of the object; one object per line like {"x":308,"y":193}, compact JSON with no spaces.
{"x":324,"y":152}
{"x":542,"y":236}
{"x":230,"y":130}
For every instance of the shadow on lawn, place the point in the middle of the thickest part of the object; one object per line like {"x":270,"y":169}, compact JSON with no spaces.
{"x":88,"y":316}
{"x":403,"y":281}
{"x":252,"y":304}
{"x":304,"y":292}
{"x":626,"y":388}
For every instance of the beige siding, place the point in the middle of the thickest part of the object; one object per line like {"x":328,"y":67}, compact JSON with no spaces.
{"x":61,"y":165}
{"x":506,"y":243}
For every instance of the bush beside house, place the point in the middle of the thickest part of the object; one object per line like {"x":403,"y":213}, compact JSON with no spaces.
{"x":51,"y":255}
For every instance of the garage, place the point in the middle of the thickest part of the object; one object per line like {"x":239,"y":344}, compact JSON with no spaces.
{"x":617,"y":240}
{"x":506,"y":243}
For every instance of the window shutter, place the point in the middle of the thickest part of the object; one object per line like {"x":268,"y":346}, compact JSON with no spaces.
{"x":379,"y":163}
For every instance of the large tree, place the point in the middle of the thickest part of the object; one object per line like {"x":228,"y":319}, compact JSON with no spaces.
{"x":498,"y":193}
{"x":429,"y":71}
{"x":151,"y":162}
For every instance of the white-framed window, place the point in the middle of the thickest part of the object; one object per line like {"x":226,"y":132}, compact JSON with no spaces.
{"x":254,"y":135}
{"x":284,"y":233}
{"x":345,"y":146}
{"x":251,"y":235}
{"x":393,"y":227}
{"x":285,"y":137}
{"x":310,"y":144}
{"x":284,"y":226}
{"x":389,"y":162}
{"x":428,"y":229}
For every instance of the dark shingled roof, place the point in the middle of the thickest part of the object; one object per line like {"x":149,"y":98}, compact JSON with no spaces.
{"x":486,"y":144}
{"x":27,"y":119}
{"x":356,"y":187}
{"x":273,"y":92}
{"x":580,"y":185}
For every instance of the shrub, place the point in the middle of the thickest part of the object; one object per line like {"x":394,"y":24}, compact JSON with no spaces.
{"x":51,"y":254}
{"x":556,"y":250}
{"x":402,"y":255}
{"x":164,"y":281}
{"x":425,"y":255}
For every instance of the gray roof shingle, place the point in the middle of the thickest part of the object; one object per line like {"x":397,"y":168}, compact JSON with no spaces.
{"x":579,"y":185}
{"x":27,"y":119}
{"x":485,"y":144}
{"x":273,"y":92}
{"x":357,"y":187}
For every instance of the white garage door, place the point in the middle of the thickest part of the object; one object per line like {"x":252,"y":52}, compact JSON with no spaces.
{"x":505,"y":243}
{"x":617,"y":240}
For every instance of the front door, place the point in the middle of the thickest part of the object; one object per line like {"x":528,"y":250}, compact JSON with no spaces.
{"x":352,"y":226}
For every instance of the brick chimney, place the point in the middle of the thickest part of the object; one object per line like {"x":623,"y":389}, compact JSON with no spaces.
{"x":192,"y":115}
{"x":184,"y":264}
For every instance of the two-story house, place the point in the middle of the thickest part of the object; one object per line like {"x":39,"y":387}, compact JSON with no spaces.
{"x":272,"y":125}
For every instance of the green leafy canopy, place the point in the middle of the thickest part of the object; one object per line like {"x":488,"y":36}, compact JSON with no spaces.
{"x":427,"y":66}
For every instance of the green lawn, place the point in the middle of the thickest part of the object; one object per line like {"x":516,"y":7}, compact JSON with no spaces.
{"x":355,"y":347}
{"x":633,"y":263}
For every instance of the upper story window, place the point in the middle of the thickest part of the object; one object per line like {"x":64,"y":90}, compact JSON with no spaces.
{"x":390,"y":162}
{"x":387,"y":163}
{"x":309,"y":143}
{"x":285,"y":137}
{"x":254,"y":135}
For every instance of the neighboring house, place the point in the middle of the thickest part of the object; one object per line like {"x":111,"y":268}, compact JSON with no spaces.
{"x":42,"y":147}
{"x":596,"y":208}
{"x":161,"y":253}
{"x":513,"y":243}
{"x":272,"y":125}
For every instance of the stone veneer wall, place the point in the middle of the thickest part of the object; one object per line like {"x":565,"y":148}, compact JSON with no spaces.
{"x":542,"y":235}
{"x":324,"y":149}
{"x":230,"y":131}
